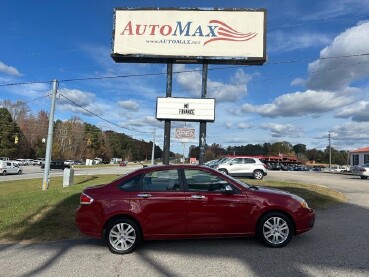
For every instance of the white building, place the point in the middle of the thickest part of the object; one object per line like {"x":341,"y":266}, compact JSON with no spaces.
{"x":359,"y":156}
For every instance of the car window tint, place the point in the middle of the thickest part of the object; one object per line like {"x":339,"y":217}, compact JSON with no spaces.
{"x":198,"y":180}
{"x":130,"y":184}
{"x":237,"y":161}
{"x":162,"y":180}
{"x":249,"y":161}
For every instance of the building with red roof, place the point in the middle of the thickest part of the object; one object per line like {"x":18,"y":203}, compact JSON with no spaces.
{"x":359,"y":156}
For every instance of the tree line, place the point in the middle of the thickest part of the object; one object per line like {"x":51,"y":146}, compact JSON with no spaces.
{"x":23,"y":135}
{"x":284,"y":148}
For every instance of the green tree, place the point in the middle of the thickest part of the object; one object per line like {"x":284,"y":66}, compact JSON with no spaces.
{"x":8,"y":133}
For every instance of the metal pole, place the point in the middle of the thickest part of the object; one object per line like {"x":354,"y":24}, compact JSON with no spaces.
{"x":330,"y":152}
{"x":49,"y":142}
{"x":166,"y":146}
{"x":202,"y":135}
{"x":153,"y":148}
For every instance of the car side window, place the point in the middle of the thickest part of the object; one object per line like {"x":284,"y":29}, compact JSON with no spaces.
{"x":198,"y":180}
{"x":162,"y":180}
{"x":249,"y":161}
{"x":130,"y":184}
{"x":237,"y":161}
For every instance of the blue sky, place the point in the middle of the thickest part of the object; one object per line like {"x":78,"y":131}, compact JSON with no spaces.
{"x":315,"y":82}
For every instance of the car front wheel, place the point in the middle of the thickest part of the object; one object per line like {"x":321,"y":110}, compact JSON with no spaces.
{"x":224,"y":171}
{"x":275,"y":230}
{"x":364,"y":177}
{"x":258,"y":175}
{"x":122,"y":236}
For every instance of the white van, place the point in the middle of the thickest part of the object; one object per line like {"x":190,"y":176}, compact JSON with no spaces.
{"x":9,"y":167}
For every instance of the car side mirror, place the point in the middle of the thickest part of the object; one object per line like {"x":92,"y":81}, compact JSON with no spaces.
{"x":228,"y":189}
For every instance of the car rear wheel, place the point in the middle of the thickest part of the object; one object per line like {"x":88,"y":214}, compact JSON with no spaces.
{"x":258,"y":175}
{"x":275,"y":230}
{"x":364,"y":177}
{"x":20,"y":172}
{"x":4,"y":173}
{"x":122,"y":236}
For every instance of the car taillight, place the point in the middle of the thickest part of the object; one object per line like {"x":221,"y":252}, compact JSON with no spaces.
{"x":85,"y":199}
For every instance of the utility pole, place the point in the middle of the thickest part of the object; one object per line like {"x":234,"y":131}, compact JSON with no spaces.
{"x":153,"y":148}
{"x":49,"y":141}
{"x":330,"y":152}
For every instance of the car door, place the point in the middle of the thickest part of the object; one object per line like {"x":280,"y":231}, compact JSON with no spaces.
{"x":161,"y":202}
{"x":235,"y":166}
{"x":11,"y":169}
{"x":210,"y":209}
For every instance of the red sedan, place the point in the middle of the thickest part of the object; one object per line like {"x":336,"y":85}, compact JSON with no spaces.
{"x":185,"y":201}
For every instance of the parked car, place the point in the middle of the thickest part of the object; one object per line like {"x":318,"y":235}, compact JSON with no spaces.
{"x":186,"y":201}
{"x":243,"y":166}
{"x":361,"y":170}
{"x":10,"y":167}
{"x":56,"y":165}
{"x":69,"y":162}
{"x":123,"y":163}
{"x":38,"y":161}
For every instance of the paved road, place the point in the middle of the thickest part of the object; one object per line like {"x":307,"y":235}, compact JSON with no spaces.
{"x":32,"y":172}
{"x":338,"y":246}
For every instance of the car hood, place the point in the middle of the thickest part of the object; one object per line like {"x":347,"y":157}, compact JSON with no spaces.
{"x":279,"y":192}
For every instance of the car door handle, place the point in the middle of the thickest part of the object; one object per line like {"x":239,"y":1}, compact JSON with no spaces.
{"x":196,"y":196}
{"x":144,"y":195}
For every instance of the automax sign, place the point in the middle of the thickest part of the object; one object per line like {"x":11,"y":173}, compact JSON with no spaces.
{"x":185,"y":109}
{"x":190,"y":35}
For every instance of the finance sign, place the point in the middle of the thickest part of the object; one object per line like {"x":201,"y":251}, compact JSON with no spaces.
{"x":185,"y":133}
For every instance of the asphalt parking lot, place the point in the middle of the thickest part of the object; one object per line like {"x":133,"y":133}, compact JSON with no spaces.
{"x":337,"y":246}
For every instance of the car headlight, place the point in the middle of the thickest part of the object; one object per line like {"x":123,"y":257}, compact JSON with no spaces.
{"x":302,"y":201}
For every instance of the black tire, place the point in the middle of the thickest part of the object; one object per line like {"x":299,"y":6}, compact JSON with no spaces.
{"x":275,"y":230}
{"x":123,"y":236}
{"x":20,"y":172}
{"x":224,"y":171}
{"x":258,"y":175}
{"x":364,"y":177}
{"x":4,"y":173}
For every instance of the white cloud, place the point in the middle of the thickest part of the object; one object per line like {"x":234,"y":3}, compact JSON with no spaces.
{"x":10,"y":70}
{"x":300,"y":103}
{"x":228,"y":125}
{"x":351,"y":132}
{"x":358,"y":112}
{"x":129,"y":105}
{"x":287,"y":41}
{"x":282,"y":130}
{"x":338,"y":73}
{"x":243,"y":125}
{"x":78,"y":101}
{"x":223,"y":92}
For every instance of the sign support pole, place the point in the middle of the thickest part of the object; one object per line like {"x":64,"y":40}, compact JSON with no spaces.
{"x":202,"y":133}
{"x":167,"y":124}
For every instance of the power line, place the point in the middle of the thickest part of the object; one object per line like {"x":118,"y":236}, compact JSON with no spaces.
{"x":176,"y":72}
{"x":106,"y":120}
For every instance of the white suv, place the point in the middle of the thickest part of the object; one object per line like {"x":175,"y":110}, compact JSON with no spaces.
{"x":244,"y":166}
